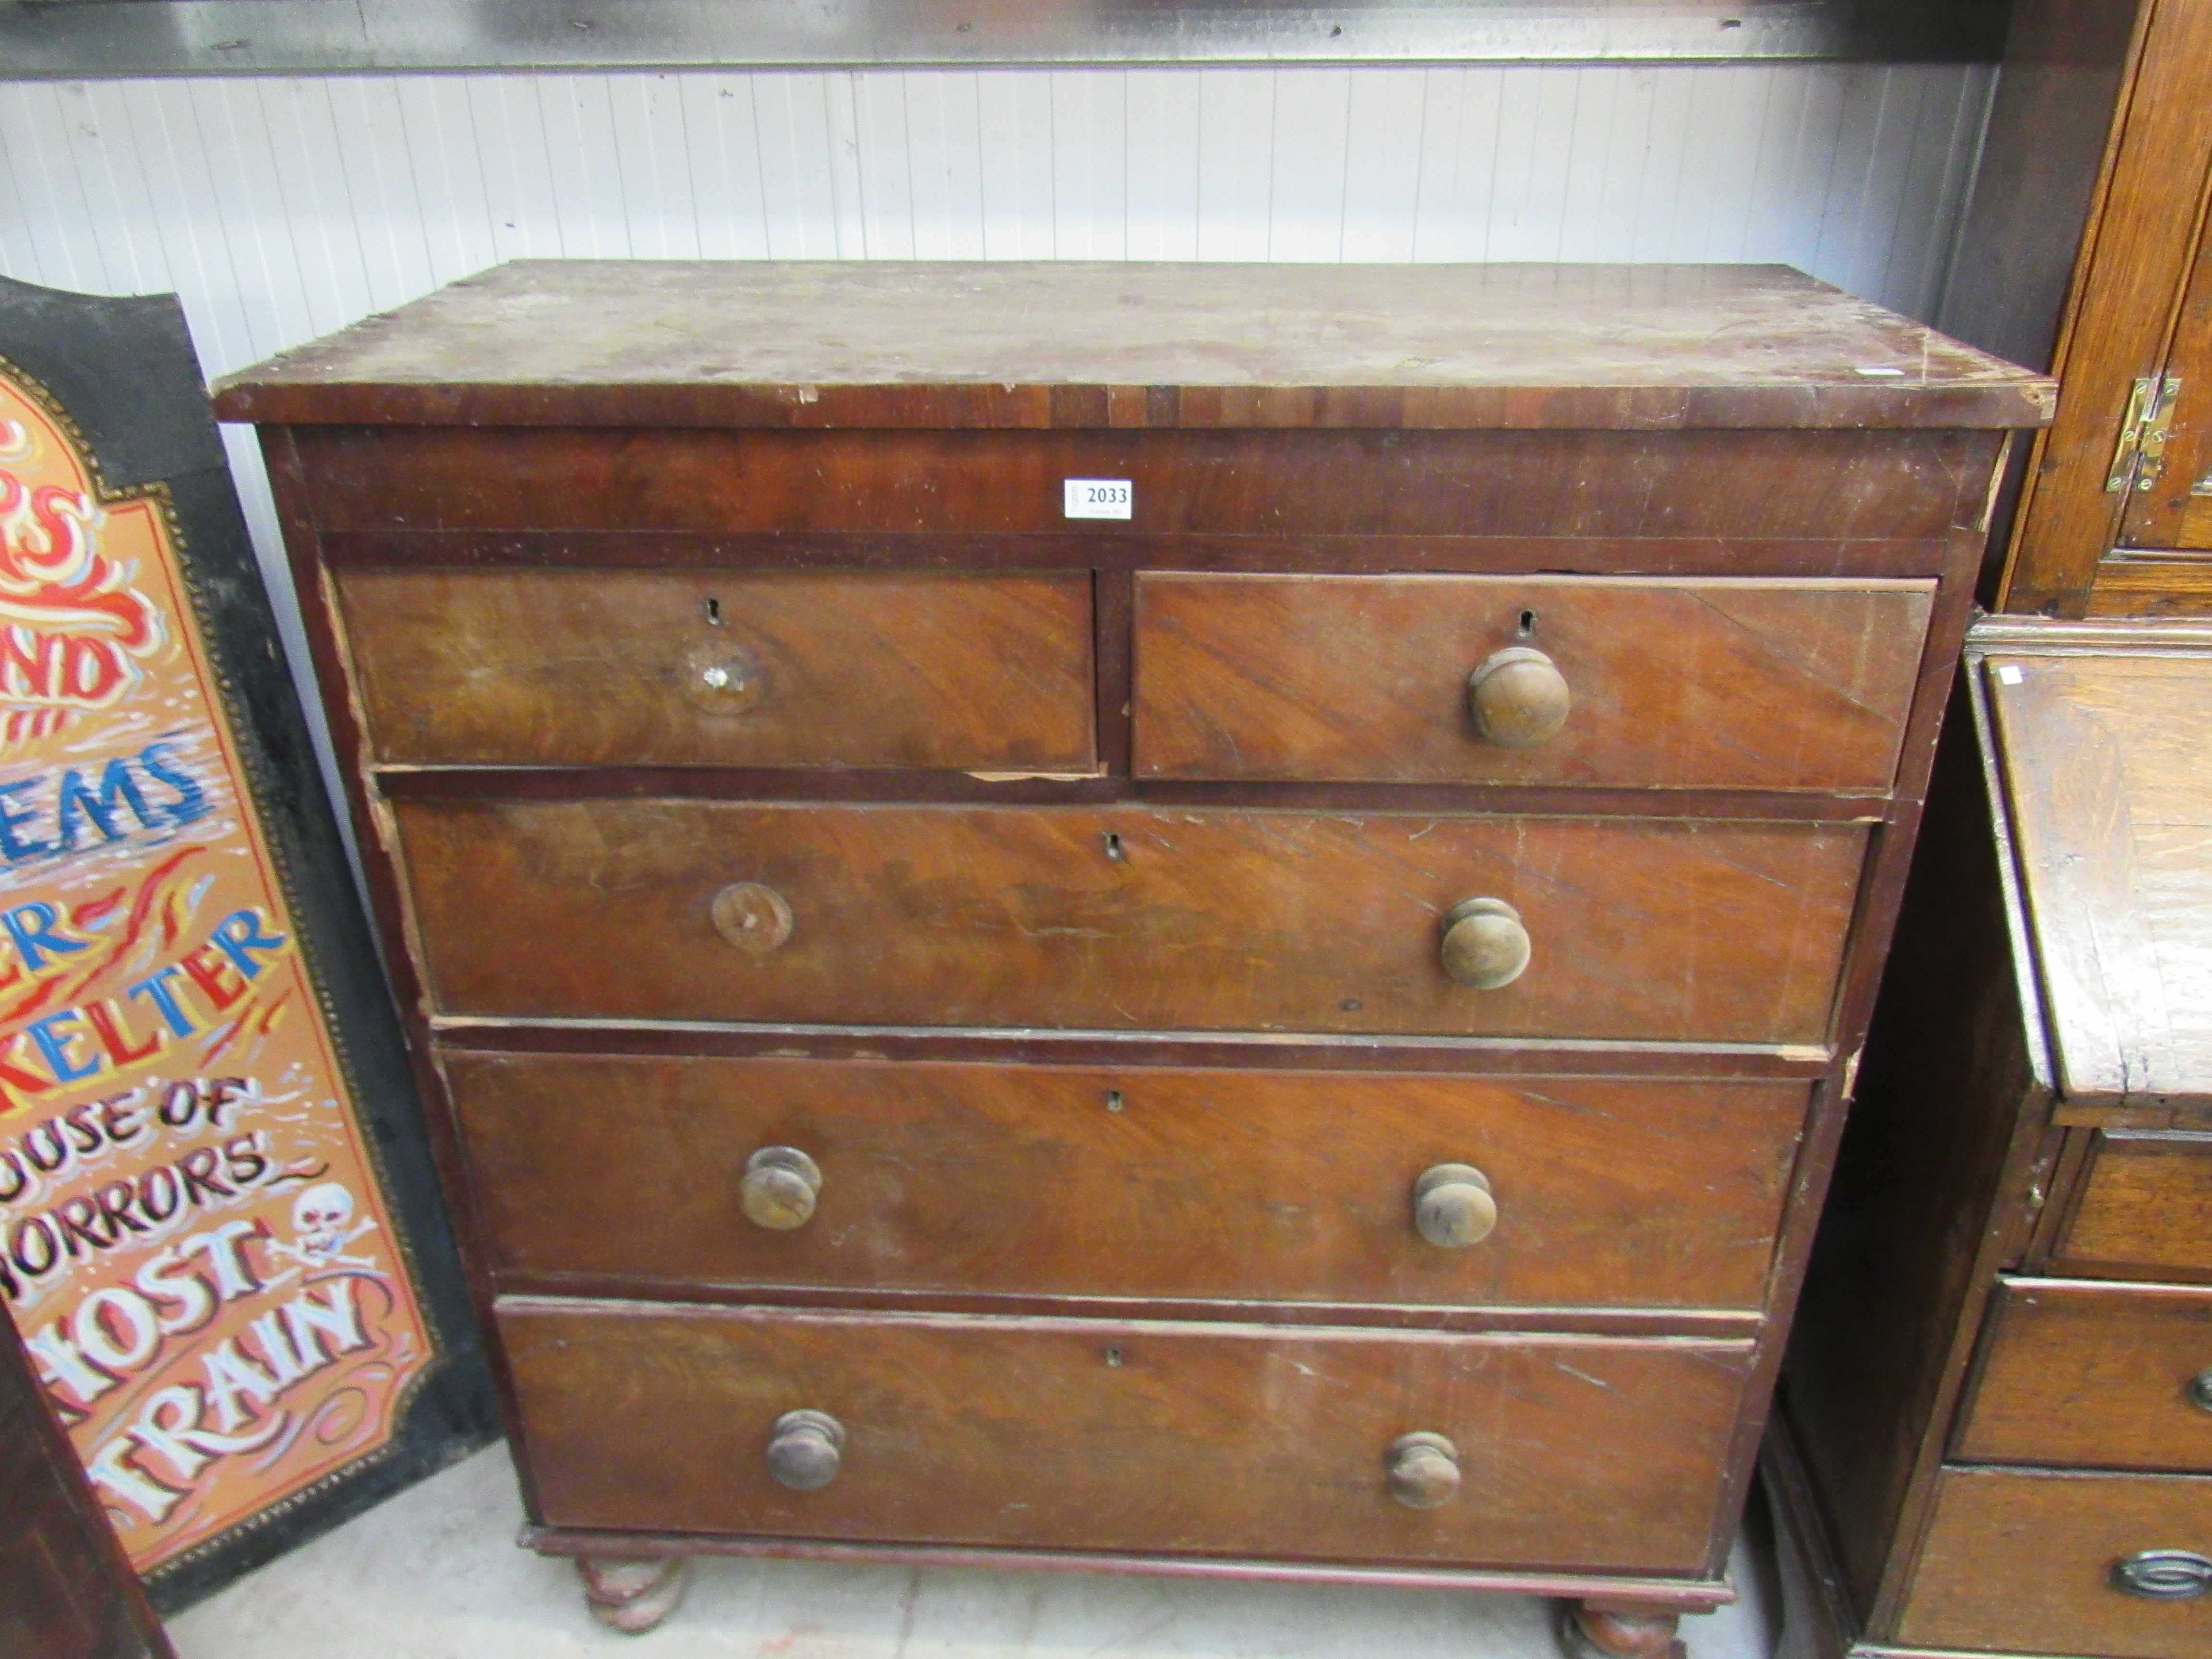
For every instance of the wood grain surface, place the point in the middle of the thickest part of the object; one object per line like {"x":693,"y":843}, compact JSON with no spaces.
{"x":1877,"y":485}
{"x":1130,"y":919}
{"x":2021,"y":1561}
{"x":1140,"y":1181}
{"x":2095,"y":1376}
{"x":2176,"y":511}
{"x":2121,"y":309}
{"x":947,"y":343}
{"x":2145,"y":1209}
{"x":1156,"y":1435}
{"x":580,"y":667}
{"x":1934,"y":1170}
{"x":1760,"y":684}
{"x":66,"y":1587}
{"x":2105,"y":788}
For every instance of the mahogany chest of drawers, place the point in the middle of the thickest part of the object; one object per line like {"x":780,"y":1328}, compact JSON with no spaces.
{"x":1996,"y":1422}
{"x":1209,"y":920}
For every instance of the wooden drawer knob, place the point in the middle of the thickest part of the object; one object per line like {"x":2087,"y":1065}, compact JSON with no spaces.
{"x":2199,"y":1390}
{"x":1423,"y":1470}
{"x":2163,"y":1575}
{"x":778,"y":1189}
{"x":756,"y":919}
{"x":1452,"y":1206}
{"x":1518,"y":697}
{"x":1484,"y":945}
{"x":721,"y":679}
{"x":804,"y":1449}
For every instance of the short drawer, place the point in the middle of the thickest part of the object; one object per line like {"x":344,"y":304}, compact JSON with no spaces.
{"x":1026,"y":1180}
{"x":583,"y":667}
{"x":2145,"y":1209}
{"x":1126,"y":918}
{"x":1719,"y":683}
{"x":2034,"y":1563}
{"x":2112,"y":1375}
{"x":1073,"y":1434}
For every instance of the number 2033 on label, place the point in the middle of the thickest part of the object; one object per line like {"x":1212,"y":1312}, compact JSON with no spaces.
{"x":1095,"y":498}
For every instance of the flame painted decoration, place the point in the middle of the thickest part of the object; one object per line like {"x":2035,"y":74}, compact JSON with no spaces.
{"x":72,"y":628}
{"x":193,"y":1238}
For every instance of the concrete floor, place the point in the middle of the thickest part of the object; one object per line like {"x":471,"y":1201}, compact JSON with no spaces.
{"x":434,"y":1574}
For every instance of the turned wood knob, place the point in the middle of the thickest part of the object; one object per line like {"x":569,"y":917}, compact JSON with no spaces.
{"x":804,"y":1449}
{"x":756,"y":919}
{"x":1484,"y":945}
{"x":1423,"y":1470}
{"x":1518,"y":697}
{"x":1452,"y":1206}
{"x":778,"y":1189}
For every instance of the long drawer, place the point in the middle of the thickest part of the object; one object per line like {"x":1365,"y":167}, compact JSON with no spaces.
{"x":1762,"y":683}
{"x":580,"y":667}
{"x":1126,"y":917}
{"x":2034,"y":1563}
{"x":1071,"y":1434}
{"x":2110,"y":1375}
{"x":1136,"y":1182}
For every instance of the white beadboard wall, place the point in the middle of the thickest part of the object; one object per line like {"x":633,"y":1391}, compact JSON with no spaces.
{"x":282,"y":209}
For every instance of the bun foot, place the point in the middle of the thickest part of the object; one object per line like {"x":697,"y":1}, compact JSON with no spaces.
{"x":1592,"y":1630}
{"x":633,"y":1597}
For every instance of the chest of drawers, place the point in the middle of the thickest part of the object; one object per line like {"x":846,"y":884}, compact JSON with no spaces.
{"x":1997,"y":1432}
{"x":1187,"y":919}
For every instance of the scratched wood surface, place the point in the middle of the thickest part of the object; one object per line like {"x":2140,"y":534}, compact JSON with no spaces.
{"x":2106,"y":787}
{"x":1133,"y":1182}
{"x":2145,"y":1209}
{"x":2020,"y":1561}
{"x":2095,"y":1376}
{"x":1760,"y":683}
{"x":579,"y":667}
{"x":1864,"y":485}
{"x":886,"y":343}
{"x":1155,"y":1436}
{"x":1672,"y":930}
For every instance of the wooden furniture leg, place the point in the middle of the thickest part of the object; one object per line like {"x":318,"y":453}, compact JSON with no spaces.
{"x":633,"y":1597}
{"x":1594,"y":1630}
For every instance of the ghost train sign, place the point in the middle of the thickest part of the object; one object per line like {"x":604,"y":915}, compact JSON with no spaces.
{"x":216,"y":1233}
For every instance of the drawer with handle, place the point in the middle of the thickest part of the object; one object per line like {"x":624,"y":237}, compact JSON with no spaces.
{"x":740,"y":668}
{"x":1138,"y":1181}
{"x":1080,"y":1434}
{"x":1129,"y":918}
{"x":1753,"y":684}
{"x":2036,"y":1562}
{"x":2111,"y":1375}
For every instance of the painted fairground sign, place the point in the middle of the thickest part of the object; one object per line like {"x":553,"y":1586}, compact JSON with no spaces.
{"x":197,"y":1240}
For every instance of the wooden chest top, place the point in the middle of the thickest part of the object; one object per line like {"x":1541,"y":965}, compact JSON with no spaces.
{"x":2100,"y":740}
{"x":944,"y":344}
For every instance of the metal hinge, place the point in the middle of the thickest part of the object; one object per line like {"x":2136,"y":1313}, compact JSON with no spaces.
{"x":2142,"y":450}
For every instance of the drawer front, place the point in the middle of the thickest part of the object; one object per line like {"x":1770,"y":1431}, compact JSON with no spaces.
{"x":1762,"y":684}
{"x":2112,"y":1375}
{"x":2025,"y":1563}
{"x":1072,"y":1434}
{"x":1135,"y":1183}
{"x":1125,"y":918}
{"x":2145,"y":1210}
{"x":788,"y":668}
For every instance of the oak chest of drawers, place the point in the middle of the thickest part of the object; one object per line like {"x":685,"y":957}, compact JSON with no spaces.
{"x":1194,"y":919}
{"x":1996,"y":1425}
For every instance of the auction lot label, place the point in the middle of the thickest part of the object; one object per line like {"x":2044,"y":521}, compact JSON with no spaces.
{"x":192,"y":1238}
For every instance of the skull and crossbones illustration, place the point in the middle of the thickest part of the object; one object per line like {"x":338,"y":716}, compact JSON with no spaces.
{"x":323,"y":1225}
